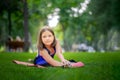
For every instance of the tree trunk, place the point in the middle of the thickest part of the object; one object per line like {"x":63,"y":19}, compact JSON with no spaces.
{"x":9,"y":22}
{"x":65,"y":46}
{"x":25,"y":25}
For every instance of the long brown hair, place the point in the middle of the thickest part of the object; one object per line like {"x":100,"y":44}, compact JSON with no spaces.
{"x":40,"y":44}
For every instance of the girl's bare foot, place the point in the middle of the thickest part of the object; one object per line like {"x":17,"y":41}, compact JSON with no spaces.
{"x":78,"y":64}
{"x":16,"y":62}
{"x":27,"y":64}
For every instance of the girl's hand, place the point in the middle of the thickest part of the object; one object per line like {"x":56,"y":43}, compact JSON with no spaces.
{"x":66,"y":63}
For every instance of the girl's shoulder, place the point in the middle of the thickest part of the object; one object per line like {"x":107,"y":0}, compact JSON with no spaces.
{"x":43,"y":50}
{"x":40,"y":52}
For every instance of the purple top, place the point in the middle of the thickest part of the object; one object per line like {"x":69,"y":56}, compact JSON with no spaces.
{"x":39,"y":60}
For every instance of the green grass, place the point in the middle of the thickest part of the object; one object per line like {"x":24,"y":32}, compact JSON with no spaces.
{"x":98,"y":66}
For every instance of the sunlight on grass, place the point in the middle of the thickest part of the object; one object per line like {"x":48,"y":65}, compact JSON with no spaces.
{"x":97,"y":67}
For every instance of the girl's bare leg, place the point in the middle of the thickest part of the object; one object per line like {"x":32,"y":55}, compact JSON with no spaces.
{"x":77,"y":64}
{"x":27,"y":64}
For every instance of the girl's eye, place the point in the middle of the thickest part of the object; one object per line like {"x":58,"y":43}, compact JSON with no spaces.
{"x":44,"y":36}
{"x":49,"y":35}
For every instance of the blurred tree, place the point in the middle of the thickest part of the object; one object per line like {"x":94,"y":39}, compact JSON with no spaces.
{"x":66,"y":20}
{"x":26,"y":29}
{"x":78,"y":22}
{"x":105,"y":17}
{"x":8,"y":11}
{"x":8,"y":8}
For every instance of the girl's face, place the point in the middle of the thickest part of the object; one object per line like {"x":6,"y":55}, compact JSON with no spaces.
{"x":47,"y":38}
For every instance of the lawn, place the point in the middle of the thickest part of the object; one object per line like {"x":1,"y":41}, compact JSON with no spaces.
{"x":98,"y":66}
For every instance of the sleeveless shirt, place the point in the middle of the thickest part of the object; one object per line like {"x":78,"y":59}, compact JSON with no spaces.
{"x":39,"y":60}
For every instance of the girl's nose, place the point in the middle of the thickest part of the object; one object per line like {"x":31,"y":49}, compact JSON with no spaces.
{"x":47,"y":37}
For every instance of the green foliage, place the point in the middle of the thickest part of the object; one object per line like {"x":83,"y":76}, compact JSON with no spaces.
{"x":106,"y":16}
{"x":11,"y":19}
{"x":97,"y":20}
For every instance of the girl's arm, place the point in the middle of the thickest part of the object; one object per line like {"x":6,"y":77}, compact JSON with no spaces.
{"x":49,"y":59}
{"x":60,"y":55}
{"x":59,"y":51}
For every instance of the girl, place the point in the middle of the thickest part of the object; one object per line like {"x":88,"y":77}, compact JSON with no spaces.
{"x":48,"y":46}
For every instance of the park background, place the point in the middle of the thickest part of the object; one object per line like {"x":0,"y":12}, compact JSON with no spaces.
{"x":88,"y":29}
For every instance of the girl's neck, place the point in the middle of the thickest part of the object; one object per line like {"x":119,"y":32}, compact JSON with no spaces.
{"x":48,"y":47}
{"x":51,"y":49}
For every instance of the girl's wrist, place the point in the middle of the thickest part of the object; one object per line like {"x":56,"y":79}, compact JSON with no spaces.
{"x":63,"y":60}
{"x":66,"y":63}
